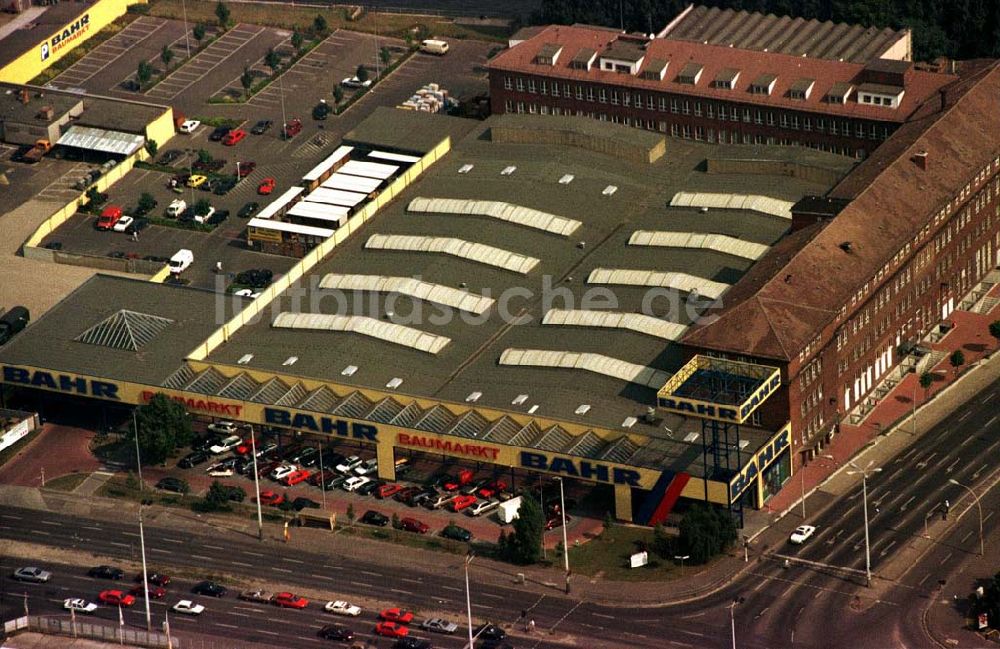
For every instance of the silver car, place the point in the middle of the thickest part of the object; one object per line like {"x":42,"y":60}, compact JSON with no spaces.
{"x":439,"y":625}
{"x":36,"y":575}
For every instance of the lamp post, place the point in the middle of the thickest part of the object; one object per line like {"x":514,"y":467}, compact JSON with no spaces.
{"x":732,"y":617}
{"x":864,"y":501}
{"x":562,"y":509}
{"x":322,"y":478}
{"x":802,"y":480}
{"x":682,"y":558}
{"x":142,"y":534}
{"x":468,"y":598}
{"x":979,"y":506}
{"x":256,"y":484}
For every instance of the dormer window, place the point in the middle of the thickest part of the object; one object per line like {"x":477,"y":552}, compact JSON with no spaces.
{"x":726,"y":79}
{"x":763,"y":84}
{"x":690,"y":74}
{"x":874,"y":94}
{"x":655,"y":69}
{"x":801,"y":89}
{"x":583,"y":59}
{"x":549,"y":54}
{"x":839,"y":93}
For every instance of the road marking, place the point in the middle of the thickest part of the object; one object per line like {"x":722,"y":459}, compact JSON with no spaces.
{"x":121,"y":545}
{"x":761,"y":614}
{"x":965,"y":416}
{"x":129,"y":534}
{"x":606,"y":617}
{"x":411,"y":581}
{"x":160,"y":550}
{"x":988,"y":398}
{"x":51,"y":523}
{"x":457,"y":590}
{"x":228,"y":626}
{"x":370,"y":573}
{"x":975,"y":476}
{"x":700,"y":635}
{"x":966,"y":441}
{"x":292,"y":560}
{"x":945,"y":559}
{"x":902,"y":507}
{"x":885,"y":550}
{"x":240,"y":563}
{"x":13,"y":518}
{"x":268,"y":632}
{"x":490,"y":595}
{"x":361,"y":584}
{"x":240,"y":614}
{"x":990,"y":422}
{"x":177,"y":541}
{"x":201,"y":557}
{"x":988,"y":516}
{"x":926,"y":577}
{"x":952,"y":465}
{"x":401,"y":592}
{"x":276,"y":569}
{"x":91,"y":527}
{"x":966,"y":536}
{"x":213,"y":547}
{"x":327,"y":577}
{"x":256,"y":554}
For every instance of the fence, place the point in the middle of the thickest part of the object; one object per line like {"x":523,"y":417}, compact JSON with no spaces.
{"x":91,"y":630}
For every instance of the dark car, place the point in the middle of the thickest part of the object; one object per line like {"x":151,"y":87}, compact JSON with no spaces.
{"x":106,"y":572}
{"x":262,"y":127}
{"x":224,"y":186}
{"x":211,"y":165}
{"x":218,"y":217}
{"x":173,"y":484}
{"x":308,"y":455}
{"x":412,"y":643}
{"x":456,"y":533}
{"x":219,"y":133}
{"x":248,"y":210}
{"x":301,"y":503}
{"x":171,"y":155}
{"x":193,"y":459}
{"x":155,"y":578}
{"x":368,"y":488}
{"x":490,"y":631}
{"x":336,"y":632}
{"x":210,"y":588}
{"x":422,"y":496}
{"x":137,"y":225}
{"x":335,"y":481}
{"x":260,"y":278}
{"x":131,"y":85}
{"x":372,"y":517}
{"x":322,"y":110}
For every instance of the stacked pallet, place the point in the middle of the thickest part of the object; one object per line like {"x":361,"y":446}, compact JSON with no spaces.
{"x":429,"y":99}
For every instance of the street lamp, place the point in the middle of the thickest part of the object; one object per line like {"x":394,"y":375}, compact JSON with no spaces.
{"x":979,"y":507}
{"x":732,"y":617}
{"x":142,"y":534}
{"x":682,"y":558}
{"x":468,"y":597}
{"x":864,"y":501}
{"x":256,"y":484}
{"x":562,"y":509}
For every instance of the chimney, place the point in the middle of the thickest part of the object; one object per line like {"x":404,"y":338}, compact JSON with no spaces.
{"x":921,"y":160}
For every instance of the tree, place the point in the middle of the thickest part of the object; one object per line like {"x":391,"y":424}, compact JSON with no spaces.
{"x":144,"y":73}
{"x":995,"y":329}
{"x":163,"y":426}
{"x":350,"y":513}
{"x":218,"y":495}
{"x":319,"y":24}
{"x":926,"y":379}
{"x":152,"y":147}
{"x":396,"y":524}
{"x":524,"y":545}
{"x":222,"y":13}
{"x":338,"y":93}
{"x":384,"y":55}
{"x":297,"y":41}
{"x":272,"y":59}
{"x":246,"y":80}
{"x":705,"y":531}
{"x":202,"y":206}
{"x":664,"y":544}
{"x":957,"y":359}
{"x":166,"y":55}
{"x":198,"y":32}
{"x":146,"y":203}
{"x":361,"y":73}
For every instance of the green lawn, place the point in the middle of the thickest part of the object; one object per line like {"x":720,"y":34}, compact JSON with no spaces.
{"x":67,"y":482}
{"x":608,"y":556}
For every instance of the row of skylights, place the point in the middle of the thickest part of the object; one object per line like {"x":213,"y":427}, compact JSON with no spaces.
{"x":365,"y":326}
{"x":599,"y":364}
{"x":409,"y":286}
{"x":718,"y":242}
{"x":477,"y":252}
{"x":518,"y":214}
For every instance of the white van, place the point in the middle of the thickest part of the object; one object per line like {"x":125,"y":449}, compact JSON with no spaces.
{"x":432,"y":46}
{"x":176,"y":208}
{"x":181,"y":260}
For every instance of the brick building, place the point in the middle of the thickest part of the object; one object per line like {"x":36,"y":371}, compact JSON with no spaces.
{"x":908,"y":236}
{"x":711,"y":92}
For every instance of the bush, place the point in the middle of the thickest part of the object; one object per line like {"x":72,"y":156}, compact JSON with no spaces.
{"x":706,"y":531}
{"x":146,"y":203}
{"x":957,"y":358}
{"x":524,"y":544}
{"x":362,"y":73}
{"x":199,"y":32}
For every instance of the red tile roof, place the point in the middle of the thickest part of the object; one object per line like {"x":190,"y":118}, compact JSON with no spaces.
{"x":714,"y":58}
{"x":796,"y":290}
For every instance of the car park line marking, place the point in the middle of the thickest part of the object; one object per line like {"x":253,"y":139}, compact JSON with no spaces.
{"x":214,"y":547}
{"x":921,"y":582}
{"x":695,"y":633}
{"x":606,"y":617}
{"x":903,"y":507}
{"x":240,"y":614}
{"x":975,"y":476}
{"x":228,"y":626}
{"x":13,"y":518}
{"x":987,"y":517}
{"x":411,"y":581}
{"x":968,"y":534}
{"x":327,"y":577}
{"x":948,"y":556}
{"x":952,"y":465}
{"x":490,"y":595}
{"x":129,"y":534}
{"x":358,"y":583}
{"x":201,"y":557}
{"x":121,"y":545}
{"x":174,"y":541}
{"x":457,"y":590}
{"x":885,"y":550}
{"x":370,"y":573}
{"x":268,"y":632}
{"x":965,"y":416}
{"x":160,"y":550}
{"x":679,"y":644}
{"x":256,"y":554}
{"x":44,"y":533}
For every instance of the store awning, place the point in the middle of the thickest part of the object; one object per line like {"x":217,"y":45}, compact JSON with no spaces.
{"x":99,"y":139}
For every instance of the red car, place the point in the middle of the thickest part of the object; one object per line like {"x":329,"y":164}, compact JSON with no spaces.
{"x":492,"y":488}
{"x":292,"y":128}
{"x":392,"y":630}
{"x":109,"y":217}
{"x":556,"y":521}
{"x":388,"y":490}
{"x":321,"y":477}
{"x":454,"y":484}
{"x":155,"y":592}
{"x":266,"y":186}
{"x":155,"y":578}
{"x":273,"y":498}
{"x":396,"y":615}
{"x":233,"y":137}
{"x":244,"y":169}
{"x":295,"y":477}
{"x":116,"y":598}
{"x":413,"y":525}
{"x":461,"y":502}
{"x":290,"y":600}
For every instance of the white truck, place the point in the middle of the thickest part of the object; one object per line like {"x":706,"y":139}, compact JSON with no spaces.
{"x":507,"y":511}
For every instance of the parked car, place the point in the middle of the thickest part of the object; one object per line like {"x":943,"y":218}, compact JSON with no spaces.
{"x":456,"y":533}
{"x":224,"y":185}
{"x":292,"y":128}
{"x":411,"y":642}
{"x":219,"y":133}
{"x":341,"y":607}
{"x":171,"y":483}
{"x":262,"y":126}
{"x":295,"y":477}
{"x":438,"y":501}
{"x":79,"y":605}
{"x":354,"y":82}
{"x":802,"y":534}
{"x":367,"y":467}
{"x":196,"y":181}
{"x":257,"y":595}
{"x":137,"y":225}
{"x":234,"y":137}
{"x":556,"y":520}
{"x":282,"y":472}
{"x":349,"y":464}
{"x":353,"y":484}
{"x":372,"y":517}
{"x":116,"y":598}
{"x":187,"y":607}
{"x":248,"y":210}
{"x":223,"y":428}
{"x":189,"y":125}
{"x":266,"y":186}
{"x":405,"y":494}
{"x":289,"y":600}
{"x":336,"y":632}
{"x":439,"y":625}
{"x":106,"y":572}
{"x":225,"y":445}
{"x":461,"y":502}
{"x":169,"y":156}
{"x":415,"y":526}
{"x":210,"y":588}
{"x":213,"y":165}
{"x":387,"y":490}
{"x":272,"y":498}
{"x":244,"y":169}
{"x":34,"y":575}
{"x":482,"y":507}
{"x":155,"y":578}
{"x":131,"y":85}
{"x":367,"y":488}
{"x":109,"y":217}
{"x":489,"y":631}
{"x":302,"y":502}
{"x":391,"y":630}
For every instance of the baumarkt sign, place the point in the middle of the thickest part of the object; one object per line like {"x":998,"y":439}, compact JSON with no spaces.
{"x":68,"y":34}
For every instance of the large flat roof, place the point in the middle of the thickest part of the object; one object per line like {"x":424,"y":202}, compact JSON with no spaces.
{"x":469,"y":362}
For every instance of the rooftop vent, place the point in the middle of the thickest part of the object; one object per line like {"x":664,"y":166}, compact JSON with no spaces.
{"x":350,"y":370}
{"x":846,"y":246}
{"x":291,"y":360}
{"x":609,"y":190}
{"x":920,"y":158}
{"x":464,"y":169}
{"x":244,"y":359}
{"x":394,"y":383}
{"x":519,"y":399}
{"x":473,"y":397}
{"x":567,"y":179}
{"x":508,"y":170}
{"x":533,"y":409}
{"x":582,"y":409}
{"x":629,"y":422}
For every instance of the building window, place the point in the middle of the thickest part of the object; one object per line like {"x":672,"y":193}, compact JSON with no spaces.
{"x":650,"y":103}
{"x":532,"y":108}
{"x":820,"y":124}
{"x":746,"y":115}
{"x":614,"y":97}
{"x":556,"y":110}
{"x":795,"y":122}
{"x":758,"y":116}
{"x":746,"y":138}
{"x":734,"y":114}
{"x":627,"y":99}
{"x":508,"y":83}
{"x":722,"y":111}
{"x":711,"y":135}
{"x":674,"y":130}
{"x":663,"y":104}
{"x":531,"y":85}
{"x":807,"y":124}
{"x":508,"y":106}
{"x":543,"y":87}
{"x":783,"y":120}
{"x":602,"y":96}
{"x":675,"y":106}
{"x":686,"y":132}
{"x":709,"y":110}
{"x":663,"y":127}
{"x":833,"y":127}
{"x":520,"y":84}
{"x":697,"y":109}
{"x":699,"y":133}
{"x":859,"y":130}
{"x":686,"y":107}
{"x":544,"y":109}
{"x":520,"y":106}
{"x":590,"y":94}
{"x":555,"y":89}
{"x":770,"y":118}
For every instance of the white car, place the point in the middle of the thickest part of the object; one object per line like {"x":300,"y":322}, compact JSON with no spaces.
{"x":187,"y":607}
{"x":349,"y":464}
{"x":36,"y":575}
{"x":343,"y":608}
{"x":219,"y":471}
{"x":248,"y":292}
{"x":355,"y":483}
{"x":223,"y":428}
{"x":439,"y":625}
{"x":123,"y":224}
{"x":367,"y":467}
{"x":802,"y":534}
{"x":189,"y":125}
{"x":354,"y":82}
{"x":226,"y":444}
{"x":79,"y":605}
{"x":283,"y":471}
{"x":203,"y":218}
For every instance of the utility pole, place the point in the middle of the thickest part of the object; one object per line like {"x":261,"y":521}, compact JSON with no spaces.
{"x":322,"y":478}
{"x":562,"y":508}
{"x":468,"y":598}
{"x":864,"y":499}
{"x":982,"y":544}
{"x":256,"y":485}
{"x":142,"y":534}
